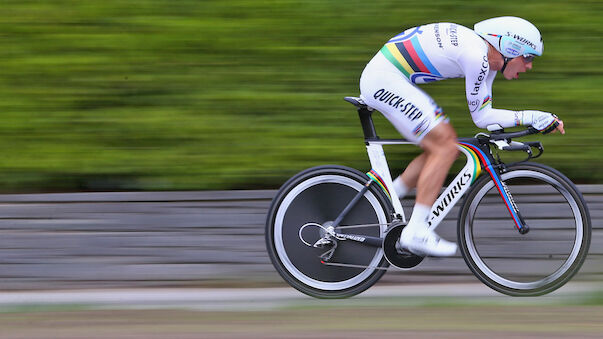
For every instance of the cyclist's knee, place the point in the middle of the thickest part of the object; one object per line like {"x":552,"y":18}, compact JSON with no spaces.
{"x":449,"y":149}
{"x":441,"y":141}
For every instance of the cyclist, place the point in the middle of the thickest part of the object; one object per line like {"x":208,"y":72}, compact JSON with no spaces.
{"x":440,"y":51}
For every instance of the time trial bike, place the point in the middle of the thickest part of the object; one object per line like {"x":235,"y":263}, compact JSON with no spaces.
{"x":523,"y":228}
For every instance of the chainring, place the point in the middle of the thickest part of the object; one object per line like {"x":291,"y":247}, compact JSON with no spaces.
{"x":401,"y":259}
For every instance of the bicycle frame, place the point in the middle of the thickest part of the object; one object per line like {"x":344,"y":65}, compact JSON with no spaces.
{"x":447,"y":199}
{"x":479,"y":158}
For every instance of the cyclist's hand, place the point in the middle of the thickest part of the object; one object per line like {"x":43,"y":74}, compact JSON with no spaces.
{"x":559,"y":127}
{"x":545,"y":122}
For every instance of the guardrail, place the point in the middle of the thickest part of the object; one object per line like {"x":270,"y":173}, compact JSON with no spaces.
{"x":94,"y":240}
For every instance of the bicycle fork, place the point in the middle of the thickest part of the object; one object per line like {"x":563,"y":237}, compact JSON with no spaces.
{"x":481,"y":158}
{"x":520,"y":223}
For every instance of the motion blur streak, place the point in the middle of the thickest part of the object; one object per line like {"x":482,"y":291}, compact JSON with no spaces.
{"x":162,"y":95}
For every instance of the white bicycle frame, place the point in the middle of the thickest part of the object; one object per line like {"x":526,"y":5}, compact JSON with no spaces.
{"x":451,"y":195}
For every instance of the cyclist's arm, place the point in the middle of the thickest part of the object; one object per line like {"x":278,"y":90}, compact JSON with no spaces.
{"x":478,"y":86}
{"x":478,"y":83}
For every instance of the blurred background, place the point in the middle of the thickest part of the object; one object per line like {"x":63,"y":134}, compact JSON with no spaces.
{"x":222,"y":101}
{"x":241,"y":94}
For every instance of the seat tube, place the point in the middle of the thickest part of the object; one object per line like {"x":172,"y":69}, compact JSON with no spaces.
{"x":380,"y":169}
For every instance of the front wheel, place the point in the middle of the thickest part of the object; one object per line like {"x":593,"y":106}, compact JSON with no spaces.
{"x":314,"y":198}
{"x":529,"y":264}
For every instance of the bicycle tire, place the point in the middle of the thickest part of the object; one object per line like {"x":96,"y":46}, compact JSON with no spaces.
{"x":318,"y":195}
{"x":523,"y":265}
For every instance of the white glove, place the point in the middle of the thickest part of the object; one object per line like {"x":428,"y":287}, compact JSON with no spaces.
{"x":545,"y":122}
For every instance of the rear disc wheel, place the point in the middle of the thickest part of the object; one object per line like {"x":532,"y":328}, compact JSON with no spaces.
{"x":316,"y":197}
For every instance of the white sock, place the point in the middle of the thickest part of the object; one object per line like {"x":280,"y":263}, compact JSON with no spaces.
{"x":419,"y":216}
{"x":400,"y":188}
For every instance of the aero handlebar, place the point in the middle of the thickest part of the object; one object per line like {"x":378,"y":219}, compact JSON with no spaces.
{"x":510,"y":135}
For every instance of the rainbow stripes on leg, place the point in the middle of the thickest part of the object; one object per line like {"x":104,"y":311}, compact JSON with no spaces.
{"x":423,"y":126}
{"x":439,"y":115}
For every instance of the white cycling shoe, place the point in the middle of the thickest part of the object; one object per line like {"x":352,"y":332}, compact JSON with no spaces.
{"x":424,"y":242}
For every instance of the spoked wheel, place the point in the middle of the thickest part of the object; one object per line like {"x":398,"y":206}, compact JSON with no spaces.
{"x":299,"y":216}
{"x":529,"y":264}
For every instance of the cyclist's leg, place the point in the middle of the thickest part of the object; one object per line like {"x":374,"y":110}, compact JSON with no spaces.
{"x":408,"y":179}
{"x":440,"y":152}
{"x":412,"y":111}
{"x":415,"y":115}
{"x":428,"y":171}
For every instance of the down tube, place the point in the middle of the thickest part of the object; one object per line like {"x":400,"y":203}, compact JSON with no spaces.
{"x":456,"y":189}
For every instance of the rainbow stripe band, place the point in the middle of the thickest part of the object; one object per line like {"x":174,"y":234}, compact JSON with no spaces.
{"x":419,"y":54}
{"x":477,"y":166}
{"x":388,"y":51}
{"x":550,"y":125}
{"x":484,"y":160}
{"x":439,"y":115}
{"x":377,"y":178}
{"x":487,"y":101}
{"x":408,"y":56}
{"x":420,"y":129}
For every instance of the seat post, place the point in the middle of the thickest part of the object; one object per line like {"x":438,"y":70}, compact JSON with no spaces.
{"x":366,"y":120}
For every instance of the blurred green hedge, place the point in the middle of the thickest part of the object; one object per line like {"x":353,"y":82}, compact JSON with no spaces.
{"x":237,"y":94}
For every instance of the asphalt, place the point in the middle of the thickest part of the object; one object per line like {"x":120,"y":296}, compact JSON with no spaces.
{"x":245,"y":299}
